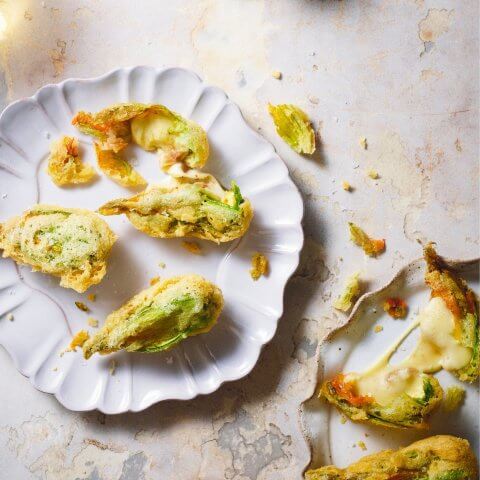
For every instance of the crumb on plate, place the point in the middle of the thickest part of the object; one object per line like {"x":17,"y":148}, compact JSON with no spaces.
{"x":154,"y":280}
{"x":378,"y":328}
{"x":370,"y":246}
{"x":92,"y":322}
{"x":192,"y":247}
{"x":395,"y":307}
{"x":78,"y":340}
{"x":373,"y":174}
{"x":346,"y":186}
{"x":363,"y":142}
{"x":260,"y":266}
{"x":277,"y":74}
{"x":92,"y":297}
{"x":81,"y":306}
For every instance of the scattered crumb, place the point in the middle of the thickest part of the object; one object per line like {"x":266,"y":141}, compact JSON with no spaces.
{"x":10,"y":317}
{"x":373,"y":174}
{"x":343,"y":420}
{"x":192,"y":247}
{"x":346,"y":186}
{"x":458,"y":145}
{"x":277,"y":75}
{"x":454,"y":397}
{"x":259,"y":266}
{"x":58,"y":57}
{"x":55,"y":369}
{"x":154,"y":280}
{"x":370,"y":246}
{"x":363,"y":142}
{"x":27,"y":15}
{"x":313,"y":99}
{"x":81,"y":306}
{"x":362,"y":445}
{"x":92,"y":322}
{"x":351,"y":291}
{"x":162,"y":265}
{"x":112,"y":367}
{"x":395,"y":307}
{"x":378,"y":328}
{"x":78,"y":340}
{"x":92,"y":297}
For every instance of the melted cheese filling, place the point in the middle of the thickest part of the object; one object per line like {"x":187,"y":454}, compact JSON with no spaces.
{"x":437,"y":348}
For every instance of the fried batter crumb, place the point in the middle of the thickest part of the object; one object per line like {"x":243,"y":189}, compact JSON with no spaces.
{"x":369,"y":245}
{"x":277,"y":75}
{"x":346,"y":186}
{"x":10,"y":316}
{"x":260,"y":266}
{"x":78,"y":340}
{"x":92,"y":322}
{"x":395,"y":307}
{"x":192,"y":247}
{"x":378,"y":328}
{"x":373,"y":174}
{"x":92,"y":297}
{"x":162,"y":265}
{"x":154,"y":280}
{"x":362,"y":445}
{"x":363,"y":142}
{"x":81,"y":306}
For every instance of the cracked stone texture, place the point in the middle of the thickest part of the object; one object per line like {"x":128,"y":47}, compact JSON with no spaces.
{"x":401,"y":74}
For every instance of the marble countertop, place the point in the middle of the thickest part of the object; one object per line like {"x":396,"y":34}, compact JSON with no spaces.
{"x":403,"y":74}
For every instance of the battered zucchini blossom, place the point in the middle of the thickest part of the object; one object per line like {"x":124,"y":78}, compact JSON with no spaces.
{"x":70,"y":243}
{"x":403,"y":411}
{"x":160,"y":317}
{"x":188,"y":206}
{"x":461,"y":301}
{"x":441,"y":457}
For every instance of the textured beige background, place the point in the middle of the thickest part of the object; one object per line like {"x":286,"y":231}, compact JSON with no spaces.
{"x":402,"y":73}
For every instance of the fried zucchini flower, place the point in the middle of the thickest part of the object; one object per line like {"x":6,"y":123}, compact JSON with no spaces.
{"x":153,"y":127}
{"x":399,"y":410}
{"x":190,"y":205}
{"x":462,"y":304}
{"x":69,"y":243}
{"x":441,"y":457}
{"x":64,"y":164}
{"x":370,"y":246}
{"x":117,"y":168}
{"x":293,"y":125}
{"x":160,"y":317}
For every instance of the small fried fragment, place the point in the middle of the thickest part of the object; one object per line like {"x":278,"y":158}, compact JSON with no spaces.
{"x":373,"y":174}
{"x":395,"y":307}
{"x":378,"y":329}
{"x":346,"y":186}
{"x":10,"y":317}
{"x":441,"y":457}
{"x":92,"y":322}
{"x":160,"y":317}
{"x":78,"y":340}
{"x":154,"y":280}
{"x":114,"y":166}
{"x":260,"y":266}
{"x":350,"y":292}
{"x":363,"y":142}
{"x":369,"y":245}
{"x":454,"y":397}
{"x":192,"y":247}
{"x":277,"y":75}
{"x":64,"y":164}
{"x":293,"y":125}
{"x":81,"y":306}
{"x":189,"y":206}
{"x":70,"y":243}
{"x":362,"y":445}
{"x":92,"y":297}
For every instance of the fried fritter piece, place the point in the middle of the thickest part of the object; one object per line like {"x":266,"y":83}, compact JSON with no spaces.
{"x":70,"y":243}
{"x":117,"y":168}
{"x":442,"y":457}
{"x":64,"y":164}
{"x":190,"y":206}
{"x":370,"y":246}
{"x":293,"y":125}
{"x":403,"y":411}
{"x":153,"y":127}
{"x":160,"y":317}
{"x":461,"y":301}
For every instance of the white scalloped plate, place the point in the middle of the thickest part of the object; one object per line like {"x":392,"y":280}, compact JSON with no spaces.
{"x":45,"y":314}
{"x":355,"y":346}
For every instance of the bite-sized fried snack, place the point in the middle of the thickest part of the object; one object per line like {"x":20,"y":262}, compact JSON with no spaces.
{"x":64,"y":164}
{"x":461,"y":301}
{"x":351,"y":291}
{"x":189,"y":206}
{"x":402,"y":411}
{"x":441,"y":457}
{"x":370,"y":246}
{"x":260,"y":265}
{"x":70,"y":243}
{"x":117,"y":168}
{"x":293,"y":125}
{"x":160,"y":317}
{"x":153,"y":127}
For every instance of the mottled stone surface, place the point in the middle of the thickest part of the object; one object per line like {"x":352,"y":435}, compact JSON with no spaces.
{"x":403,"y":74}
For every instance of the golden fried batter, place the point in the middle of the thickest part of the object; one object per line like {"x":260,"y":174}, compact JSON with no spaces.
{"x":70,"y":243}
{"x":160,"y":317}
